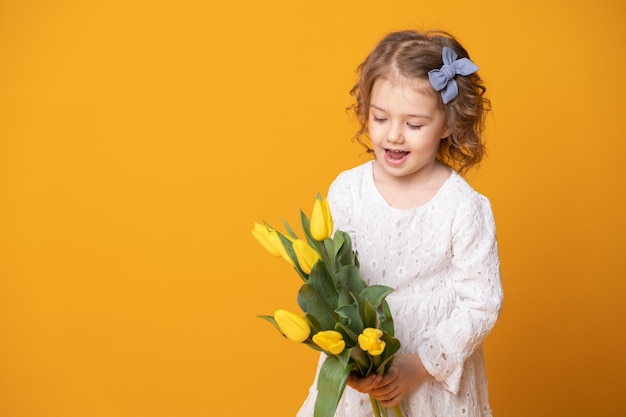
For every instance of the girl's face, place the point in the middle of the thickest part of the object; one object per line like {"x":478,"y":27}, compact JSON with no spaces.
{"x":405,"y":127}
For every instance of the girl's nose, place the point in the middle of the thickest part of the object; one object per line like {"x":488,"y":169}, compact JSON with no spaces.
{"x":394,"y":134}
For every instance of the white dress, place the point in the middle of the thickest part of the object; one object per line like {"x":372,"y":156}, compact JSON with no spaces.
{"x":442,"y":260}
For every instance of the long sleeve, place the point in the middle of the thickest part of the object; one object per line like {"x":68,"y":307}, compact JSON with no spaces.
{"x":477,"y":291}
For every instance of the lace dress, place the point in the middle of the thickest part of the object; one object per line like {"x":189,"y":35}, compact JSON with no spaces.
{"x":442,"y":260}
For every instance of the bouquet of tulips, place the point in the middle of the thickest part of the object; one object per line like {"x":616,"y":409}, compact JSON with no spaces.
{"x":342,"y":316}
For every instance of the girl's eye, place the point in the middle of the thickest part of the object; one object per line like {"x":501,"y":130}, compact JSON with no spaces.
{"x":378,"y":119}
{"x":412,"y":126}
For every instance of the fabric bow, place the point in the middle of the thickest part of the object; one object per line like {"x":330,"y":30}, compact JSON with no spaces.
{"x":443,"y":79}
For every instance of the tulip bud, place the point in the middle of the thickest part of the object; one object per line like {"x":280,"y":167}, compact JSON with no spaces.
{"x":269,"y":239}
{"x":330,"y":341}
{"x":370,"y":341}
{"x":293,"y":326}
{"x":261,"y":234}
{"x":321,"y":220}
{"x":306,"y":255}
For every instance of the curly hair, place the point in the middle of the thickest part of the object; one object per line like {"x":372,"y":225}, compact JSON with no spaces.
{"x":411,"y":55}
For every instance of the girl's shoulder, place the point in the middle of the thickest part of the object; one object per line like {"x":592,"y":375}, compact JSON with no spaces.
{"x":352,"y":179}
{"x":350,"y":187}
{"x":461,"y":187}
{"x":468,"y":205}
{"x":355,"y":173}
{"x":460,"y":194}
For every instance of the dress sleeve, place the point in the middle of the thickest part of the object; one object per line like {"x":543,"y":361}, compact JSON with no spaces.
{"x":341,"y":204}
{"x":477,"y":292}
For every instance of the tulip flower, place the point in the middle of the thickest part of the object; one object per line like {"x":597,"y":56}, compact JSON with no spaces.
{"x":293,"y":326}
{"x":337,"y":273}
{"x":370,"y":341}
{"x":269,"y":239}
{"x":330,"y":341}
{"x":321,"y":220}
{"x":306,"y":255}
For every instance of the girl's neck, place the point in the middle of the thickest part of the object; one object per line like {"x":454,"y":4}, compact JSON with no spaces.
{"x":412,"y":191}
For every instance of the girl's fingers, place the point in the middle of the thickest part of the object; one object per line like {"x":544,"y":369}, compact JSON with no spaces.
{"x":364,"y":385}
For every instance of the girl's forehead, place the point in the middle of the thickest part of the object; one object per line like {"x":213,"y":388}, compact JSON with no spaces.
{"x":407,"y":85}
{"x":404,"y":97}
{"x":419,"y":84}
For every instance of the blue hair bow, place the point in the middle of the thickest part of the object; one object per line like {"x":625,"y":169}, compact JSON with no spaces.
{"x":443,"y":79}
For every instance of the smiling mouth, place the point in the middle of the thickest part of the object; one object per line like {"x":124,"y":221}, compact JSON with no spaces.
{"x":395,"y":155}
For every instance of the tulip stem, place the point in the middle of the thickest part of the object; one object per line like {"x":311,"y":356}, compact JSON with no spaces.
{"x":375,"y":406}
{"x":397,"y":412}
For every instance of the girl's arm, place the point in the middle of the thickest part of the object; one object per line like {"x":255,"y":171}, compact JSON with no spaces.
{"x":478,"y":294}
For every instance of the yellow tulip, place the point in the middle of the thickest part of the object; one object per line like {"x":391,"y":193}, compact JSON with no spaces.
{"x":269,"y":239}
{"x":370,"y":341}
{"x":261,"y":233}
{"x":293,"y":326}
{"x":306,"y":255}
{"x":330,"y":340}
{"x":321,"y":220}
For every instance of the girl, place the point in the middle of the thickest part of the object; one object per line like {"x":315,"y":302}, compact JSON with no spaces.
{"x":419,"y":228}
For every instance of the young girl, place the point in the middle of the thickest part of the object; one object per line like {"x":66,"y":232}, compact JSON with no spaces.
{"x":419,"y":228}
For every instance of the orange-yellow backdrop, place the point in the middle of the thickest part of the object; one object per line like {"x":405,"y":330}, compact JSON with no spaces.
{"x":140,"y":140}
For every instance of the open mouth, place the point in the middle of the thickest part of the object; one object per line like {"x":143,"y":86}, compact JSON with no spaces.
{"x":395,"y":155}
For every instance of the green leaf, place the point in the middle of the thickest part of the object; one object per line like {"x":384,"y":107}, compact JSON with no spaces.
{"x":271,"y":320}
{"x":370,"y":316}
{"x":339,"y":241}
{"x":329,"y":251}
{"x":362,"y":361}
{"x":290,"y":230}
{"x":312,"y":345}
{"x":359,"y":302}
{"x":292,"y":255}
{"x":349,"y":282}
{"x":349,"y":336}
{"x":318,"y":297}
{"x":315,"y":324}
{"x":343,"y":248}
{"x":376,"y":294}
{"x":392,"y":346}
{"x":330,"y":386}
{"x":350,"y":321}
{"x":344,"y":357}
{"x":386,"y":319}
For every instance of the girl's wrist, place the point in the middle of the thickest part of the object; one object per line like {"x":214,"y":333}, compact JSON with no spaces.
{"x":419,"y":366}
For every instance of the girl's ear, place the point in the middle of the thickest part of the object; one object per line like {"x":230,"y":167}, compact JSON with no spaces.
{"x":445,"y":132}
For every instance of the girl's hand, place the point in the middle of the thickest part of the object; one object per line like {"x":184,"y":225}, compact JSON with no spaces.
{"x":404,"y":375}
{"x":364,"y":385}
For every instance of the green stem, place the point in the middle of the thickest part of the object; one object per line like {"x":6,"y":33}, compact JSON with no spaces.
{"x":375,"y":406}
{"x":397,"y":412}
{"x":376,"y":365}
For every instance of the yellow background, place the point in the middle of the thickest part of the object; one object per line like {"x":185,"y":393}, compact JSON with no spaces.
{"x":140,"y":140}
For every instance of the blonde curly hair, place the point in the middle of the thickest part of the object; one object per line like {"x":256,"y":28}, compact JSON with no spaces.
{"x":412,"y":54}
